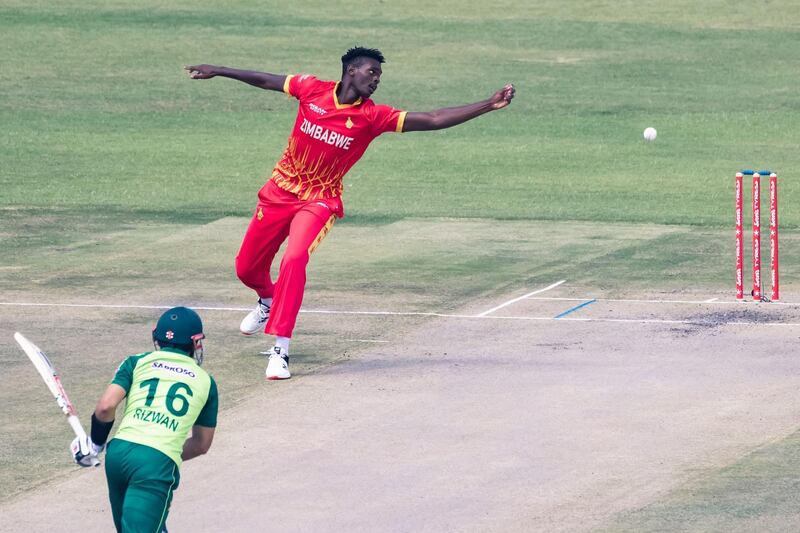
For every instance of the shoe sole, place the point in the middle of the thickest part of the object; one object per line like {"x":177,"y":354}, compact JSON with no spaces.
{"x":276,"y":378}
{"x":260,"y":328}
{"x":243,"y":332}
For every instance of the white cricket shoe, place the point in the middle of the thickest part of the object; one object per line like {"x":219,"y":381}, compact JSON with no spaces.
{"x":255,"y":319}
{"x":278,"y":364}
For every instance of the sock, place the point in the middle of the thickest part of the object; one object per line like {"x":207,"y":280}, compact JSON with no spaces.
{"x":265,"y":301}
{"x":283,"y":344}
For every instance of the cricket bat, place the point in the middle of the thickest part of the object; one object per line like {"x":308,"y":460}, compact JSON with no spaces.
{"x":53,"y":382}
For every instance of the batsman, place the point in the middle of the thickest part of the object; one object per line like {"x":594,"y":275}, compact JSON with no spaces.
{"x":168,"y":395}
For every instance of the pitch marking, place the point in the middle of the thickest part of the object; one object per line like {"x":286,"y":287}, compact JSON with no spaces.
{"x":571,"y":309}
{"x":493,"y":309}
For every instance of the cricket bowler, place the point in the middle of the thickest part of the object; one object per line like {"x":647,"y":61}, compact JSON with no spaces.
{"x":168,"y":395}
{"x":336,"y":122}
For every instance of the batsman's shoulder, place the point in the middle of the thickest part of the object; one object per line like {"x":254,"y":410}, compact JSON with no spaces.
{"x":125,"y":371}
{"x":135,"y":358}
{"x":132,"y":360}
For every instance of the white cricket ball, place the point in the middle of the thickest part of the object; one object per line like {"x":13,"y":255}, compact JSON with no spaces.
{"x":650,"y":134}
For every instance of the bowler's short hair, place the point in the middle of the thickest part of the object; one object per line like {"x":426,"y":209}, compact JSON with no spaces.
{"x":355,"y":55}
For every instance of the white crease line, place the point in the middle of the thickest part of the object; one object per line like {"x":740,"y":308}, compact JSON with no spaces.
{"x":564,"y":319}
{"x":649,"y":321}
{"x":206,"y":308}
{"x":377,"y":313}
{"x":539,"y":298}
{"x":711,"y":301}
{"x":440,"y":315}
{"x":493,"y":309}
{"x":119,"y":306}
{"x":99,"y":306}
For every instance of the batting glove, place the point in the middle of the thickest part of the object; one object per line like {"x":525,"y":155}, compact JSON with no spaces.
{"x":85,"y":452}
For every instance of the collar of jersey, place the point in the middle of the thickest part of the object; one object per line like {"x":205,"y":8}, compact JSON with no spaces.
{"x":174,"y":350}
{"x":336,"y":99}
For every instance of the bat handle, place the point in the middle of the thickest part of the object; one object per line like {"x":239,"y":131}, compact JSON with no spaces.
{"x":76,"y":426}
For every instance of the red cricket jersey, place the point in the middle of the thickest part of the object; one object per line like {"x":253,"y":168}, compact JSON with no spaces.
{"x":328,"y":137}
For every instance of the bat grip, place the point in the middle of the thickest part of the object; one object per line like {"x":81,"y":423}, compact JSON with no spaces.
{"x":76,"y":425}
{"x":80,"y":432}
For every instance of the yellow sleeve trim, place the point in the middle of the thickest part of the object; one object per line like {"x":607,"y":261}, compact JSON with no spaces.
{"x":400,"y":121}
{"x":286,"y":84}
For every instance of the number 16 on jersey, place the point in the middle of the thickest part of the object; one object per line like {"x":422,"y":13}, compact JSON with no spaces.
{"x":53,"y":382}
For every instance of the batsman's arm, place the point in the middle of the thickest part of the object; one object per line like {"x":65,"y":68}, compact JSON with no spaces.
{"x":106,"y":407}
{"x":199,"y":443}
{"x":262,"y":80}
{"x":105,"y":411}
{"x":452,"y":116}
{"x":86,"y":448}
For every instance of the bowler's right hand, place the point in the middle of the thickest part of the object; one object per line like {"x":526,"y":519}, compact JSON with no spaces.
{"x":503,"y":97}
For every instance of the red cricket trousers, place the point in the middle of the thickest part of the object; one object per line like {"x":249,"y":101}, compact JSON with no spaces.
{"x":280,"y":214}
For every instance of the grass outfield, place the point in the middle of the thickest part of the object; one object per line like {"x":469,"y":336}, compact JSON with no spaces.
{"x":99,"y":115}
{"x":124,"y":180}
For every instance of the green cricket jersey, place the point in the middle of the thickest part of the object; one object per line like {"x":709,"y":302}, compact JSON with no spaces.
{"x":167,"y":393}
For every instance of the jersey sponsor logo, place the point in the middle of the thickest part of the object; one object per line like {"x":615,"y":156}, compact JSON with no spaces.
{"x":325,"y":135}
{"x":154,"y":417}
{"x":176,"y":369}
{"x":316,"y":109}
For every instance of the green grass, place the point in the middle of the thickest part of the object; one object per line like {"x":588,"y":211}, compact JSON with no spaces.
{"x":118,"y":172}
{"x":757,"y":493}
{"x":100,"y":116}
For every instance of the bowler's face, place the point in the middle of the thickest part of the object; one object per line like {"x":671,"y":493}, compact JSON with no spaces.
{"x":366,"y":77}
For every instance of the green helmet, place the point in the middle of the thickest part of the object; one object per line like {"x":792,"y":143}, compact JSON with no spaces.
{"x":180,"y":327}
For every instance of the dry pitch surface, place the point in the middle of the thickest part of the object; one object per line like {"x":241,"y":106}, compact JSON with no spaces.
{"x":510,"y":421}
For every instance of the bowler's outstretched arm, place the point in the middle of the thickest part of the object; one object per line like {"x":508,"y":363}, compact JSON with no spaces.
{"x":452,"y":116}
{"x":262,"y":80}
